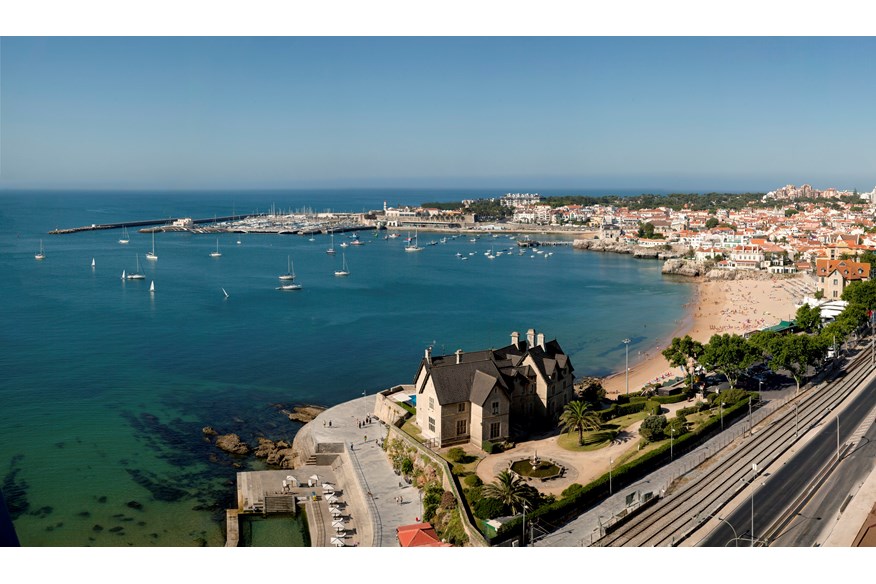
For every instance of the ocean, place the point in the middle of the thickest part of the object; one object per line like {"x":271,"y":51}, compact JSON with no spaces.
{"x":105,"y":388}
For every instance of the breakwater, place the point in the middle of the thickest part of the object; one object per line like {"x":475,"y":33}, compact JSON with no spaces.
{"x":146,"y":223}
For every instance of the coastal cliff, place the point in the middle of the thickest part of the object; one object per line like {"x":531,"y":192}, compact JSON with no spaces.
{"x":639,"y":251}
{"x":682,"y":267}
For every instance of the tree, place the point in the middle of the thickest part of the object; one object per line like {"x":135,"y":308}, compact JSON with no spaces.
{"x":863,"y":293}
{"x":652,"y":428}
{"x":711,"y":222}
{"x":796,"y":353}
{"x":577,"y":415}
{"x":683,"y":352}
{"x":730,"y":355}
{"x":509,"y":489}
{"x":808,"y":318}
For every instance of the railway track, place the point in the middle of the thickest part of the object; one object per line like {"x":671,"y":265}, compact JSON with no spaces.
{"x":701,"y":493}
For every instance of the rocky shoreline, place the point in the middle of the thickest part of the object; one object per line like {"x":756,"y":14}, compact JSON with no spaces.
{"x":639,"y":251}
{"x":279,"y":453}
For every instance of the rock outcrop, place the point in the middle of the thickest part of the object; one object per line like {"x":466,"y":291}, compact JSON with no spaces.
{"x":745,"y":275}
{"x":639,"y":251}
{"x":304,"y":414}
{"x":231,"y":443}
{"x":682,"y":267}
{"x":277,"y":453}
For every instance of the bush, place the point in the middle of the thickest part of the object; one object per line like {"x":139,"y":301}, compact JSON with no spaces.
{"x":448,"y":501}
{"x":679,"y":424}
{"x":652,"y":428}
{"x":488,"y":508}
{"x":473,"y":481}
{"x":455,"y":454}
{"x":491,"y":447}
{"x":407,"y":466}
{"x":459,"y":470}
{"x":571,"y":490}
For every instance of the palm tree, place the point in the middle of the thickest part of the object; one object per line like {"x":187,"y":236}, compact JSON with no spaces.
{"x":510,"y":489}
{"x":577,"y":415}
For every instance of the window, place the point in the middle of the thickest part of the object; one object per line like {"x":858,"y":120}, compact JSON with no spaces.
{"x":462,"y":407}
{"x":495,"y":428}
{"x":460,"y":427}
{"x":495,"y":408}
{"x":834,"y":294}
{"x":431,"y":424}
{"x":834,"y":281}
{"x":431,"y":403}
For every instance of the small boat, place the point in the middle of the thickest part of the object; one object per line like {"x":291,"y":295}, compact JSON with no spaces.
{"x":289,"y":287}
{"x":312,"y":239}
{"x":40,"y":255}
{"x":136,"y":275}
{"x":344,"y":271}
{"x":290,"y":273}
{"x":152,"y":287}
{"x":216,"y":254}
{"x":224,"y":292}
{"x":343,"y":244}
{"x":125,"y":239}
{"x":357,"y":242}
{"x":331,"y":249}
{"x":150,"y":255}
{"x":92,"y":262}
{"x":394,"y":235}
{"x":412,"y":246}
{"x":123,"y":274}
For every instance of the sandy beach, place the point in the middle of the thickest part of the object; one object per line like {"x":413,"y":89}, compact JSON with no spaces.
{"x":719,"y":306}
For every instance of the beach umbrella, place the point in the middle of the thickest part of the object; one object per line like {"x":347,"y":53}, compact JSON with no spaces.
{"x":336,"y":512}
{"x":338,"y":524}
{"x":337,"y":542}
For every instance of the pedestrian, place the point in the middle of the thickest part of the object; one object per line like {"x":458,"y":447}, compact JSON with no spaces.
{"x":323,"y":423}
{"x":400,"y":500}
{"x":365,"y":439}
{"x":330,"y":423}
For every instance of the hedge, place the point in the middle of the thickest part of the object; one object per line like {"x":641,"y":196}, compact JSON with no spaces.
{"x":572,"y":506}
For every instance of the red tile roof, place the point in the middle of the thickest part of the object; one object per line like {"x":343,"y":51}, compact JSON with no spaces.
{"x":419,"y":535}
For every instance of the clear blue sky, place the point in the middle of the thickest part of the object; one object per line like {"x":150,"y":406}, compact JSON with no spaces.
{"x":672,"y":113}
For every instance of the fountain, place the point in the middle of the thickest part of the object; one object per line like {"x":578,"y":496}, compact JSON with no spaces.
{"x":535,"y":467}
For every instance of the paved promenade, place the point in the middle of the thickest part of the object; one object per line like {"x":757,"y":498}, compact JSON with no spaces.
{"x":372,"y":465}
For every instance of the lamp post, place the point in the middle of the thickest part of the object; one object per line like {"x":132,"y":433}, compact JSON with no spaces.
{"x":753,"y":488}
{"x":796,"y":420}
{"x":671,"y":439}
{"x":721,"y":409}
{"x":750,"y":430}
{"x":523,"y":538}
{"x":837,"y":437}
{"x":610,"y":465}
{"x":627,"y":346}
{"x":735,"y":539}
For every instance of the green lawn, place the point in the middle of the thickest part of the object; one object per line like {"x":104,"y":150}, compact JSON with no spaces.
{"x":412,"y":430}
{"x":592,"y":440}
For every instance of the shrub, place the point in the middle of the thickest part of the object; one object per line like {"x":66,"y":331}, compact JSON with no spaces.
{"x":679,"y":424}
{"x":571,"y":490}
{"x":652,"y":428}
{"x":407,"y":466}
{"x":488,"y":508}
{"x":455,"y":454}
{"x":459,"y":470}
{"x":473,"y":481}
{"x":448,"y":501}
{"x":491,"y":447}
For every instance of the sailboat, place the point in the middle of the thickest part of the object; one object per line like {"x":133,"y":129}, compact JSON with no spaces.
{"x":331,"y":249}
{"x":40,"y":255}
{"x":290,"y":273}
{"x":414,"y":244}
{"x":152,"y":287}
{"x":224,"y":292}
{"x":150,"y":255}
{"x":136,"y":275}
{"x":92,"y":262}
{"x":216,"y":254}
{"x":344,"y":271}
{"x":125,"y":239}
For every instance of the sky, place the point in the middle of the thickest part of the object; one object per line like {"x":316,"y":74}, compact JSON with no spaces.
{"x":676,"y":113}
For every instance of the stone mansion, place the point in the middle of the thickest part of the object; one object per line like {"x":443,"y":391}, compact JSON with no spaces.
{"x":492,"y":394}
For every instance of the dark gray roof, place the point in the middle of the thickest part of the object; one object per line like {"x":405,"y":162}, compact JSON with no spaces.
{"x":478,"y":372}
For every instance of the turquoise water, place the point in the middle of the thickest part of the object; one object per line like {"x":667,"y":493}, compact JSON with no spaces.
{"x":105,"y":388}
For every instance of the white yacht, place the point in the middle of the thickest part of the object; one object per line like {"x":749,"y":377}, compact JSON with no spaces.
{"x":344,"y":271}
{"x":290,"y":273}
{"x":216,"y":254}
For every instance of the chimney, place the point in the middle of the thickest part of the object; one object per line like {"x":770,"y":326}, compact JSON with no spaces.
{"x":429,"y":355}
{"x":540,"y":340}
{"x":530,"y":337}
{"x":515,"y":339}
{"x":458,"y":356}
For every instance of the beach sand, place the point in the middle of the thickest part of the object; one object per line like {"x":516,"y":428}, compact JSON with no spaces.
{"x":719,"y":306}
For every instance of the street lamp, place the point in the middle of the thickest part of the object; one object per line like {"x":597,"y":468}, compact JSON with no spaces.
{"x":523,"y":539}
{"x":796,"y":419}
{"x":671,"y":437}
{"x":753,"y":488}
{"x":610,"y":464}
{"x":750,"y":430}
{"x":627,"y":345}
{"x":721,"y":409}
